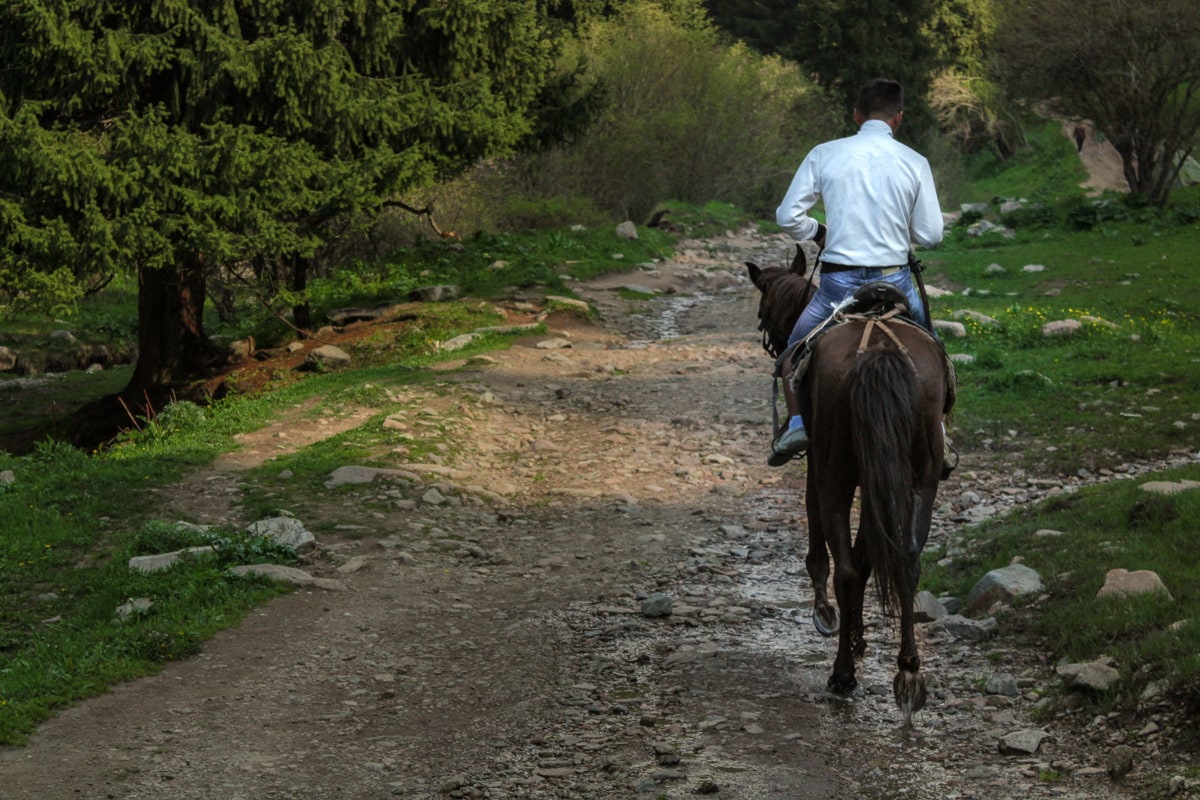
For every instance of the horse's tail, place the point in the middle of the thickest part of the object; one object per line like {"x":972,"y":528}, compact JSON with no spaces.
{"x":883,"y":394}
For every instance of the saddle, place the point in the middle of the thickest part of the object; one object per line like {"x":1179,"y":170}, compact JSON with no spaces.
{"x":875,"y":300}
{"x":877,"y":297}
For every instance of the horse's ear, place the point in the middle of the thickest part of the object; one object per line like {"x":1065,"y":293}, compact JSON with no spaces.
{"x":800,"y":262}
{"x":754,"y":271}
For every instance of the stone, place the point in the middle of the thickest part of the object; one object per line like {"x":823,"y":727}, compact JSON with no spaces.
{"x":161,"y":561}
{"x":133,"y":606}
{"x":1122,"y":583}
{"x":8,"y":360}
{"x":1024,"y":743}
{"x":293,"y":575}
{"x":966,"y":629}
{"x":434,"y":294}
{"x":1096,"y":676}
{"x":949,"y":328}
{"x":977,"y":318}
{"x":627,"y":230}
{"x":327,"y":356}
{"x":287,"y":531}
{"x":1119,"y":761}
{"x":7,"y":477}
{"x":344,"y":316}
{"x":458,"y":342}
{"x":1061,"y":327}
{"x":1003,"y":684}
{"x":1003,"y":585}
{"x":657,"y":605}
{"x":928,"y":608}
{"x":1168,"y":487}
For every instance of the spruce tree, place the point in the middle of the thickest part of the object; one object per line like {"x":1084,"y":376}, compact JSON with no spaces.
{"x":175,"y":138}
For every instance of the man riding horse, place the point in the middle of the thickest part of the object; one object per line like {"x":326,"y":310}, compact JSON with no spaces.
{"x":879,"y":198}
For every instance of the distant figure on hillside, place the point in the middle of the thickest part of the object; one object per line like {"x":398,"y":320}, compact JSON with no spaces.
{"x":1080,"y":136}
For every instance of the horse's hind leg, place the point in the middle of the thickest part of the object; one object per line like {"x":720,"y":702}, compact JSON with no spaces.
{"x":825,"y":615}
{"x":909,"y":685}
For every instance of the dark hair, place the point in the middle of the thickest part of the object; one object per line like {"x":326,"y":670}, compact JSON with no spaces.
{"x":880,"y":99}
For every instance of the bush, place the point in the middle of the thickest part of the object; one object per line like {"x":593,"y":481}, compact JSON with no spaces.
{"x":688,"y":119}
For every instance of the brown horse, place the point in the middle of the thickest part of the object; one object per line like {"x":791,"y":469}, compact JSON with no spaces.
{"x":873,"y":397}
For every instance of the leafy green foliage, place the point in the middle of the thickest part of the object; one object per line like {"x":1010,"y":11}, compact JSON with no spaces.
{"x":687,"y":118}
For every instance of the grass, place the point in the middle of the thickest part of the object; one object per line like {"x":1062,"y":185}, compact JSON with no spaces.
{"x":1116,"y":524}
{"x":1121,"y":387}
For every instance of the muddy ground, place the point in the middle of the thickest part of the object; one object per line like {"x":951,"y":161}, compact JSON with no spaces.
{"x":488,"y":640}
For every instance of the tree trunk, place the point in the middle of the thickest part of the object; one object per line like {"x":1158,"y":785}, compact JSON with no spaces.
{"x":301,"y":312}
{"x":171,"y":342}
{"x":172,"y":348}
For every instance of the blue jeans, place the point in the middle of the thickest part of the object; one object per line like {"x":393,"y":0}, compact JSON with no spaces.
{"x":837,"y":286}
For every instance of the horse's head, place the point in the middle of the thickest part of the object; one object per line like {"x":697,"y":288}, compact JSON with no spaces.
{"x":784,"y":294}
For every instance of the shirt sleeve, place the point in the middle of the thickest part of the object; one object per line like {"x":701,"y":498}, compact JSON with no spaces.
{"x":792,"y":214}
{"x":926,"y":225}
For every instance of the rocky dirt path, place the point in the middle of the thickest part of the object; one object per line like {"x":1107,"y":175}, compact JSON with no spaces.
{"x":491,"y":640}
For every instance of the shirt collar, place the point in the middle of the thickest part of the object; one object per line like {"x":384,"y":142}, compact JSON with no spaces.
{"x":876,"y":127}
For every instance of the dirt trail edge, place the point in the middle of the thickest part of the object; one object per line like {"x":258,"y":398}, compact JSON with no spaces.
{"x":492,"y":639}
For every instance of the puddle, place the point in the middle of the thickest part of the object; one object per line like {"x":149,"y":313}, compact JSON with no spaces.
{"x":667,"y":320}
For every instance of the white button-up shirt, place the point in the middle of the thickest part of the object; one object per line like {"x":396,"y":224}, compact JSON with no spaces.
{"x":879,"y":198}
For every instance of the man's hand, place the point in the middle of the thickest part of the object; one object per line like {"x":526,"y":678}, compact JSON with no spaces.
{"x":820,"y":237}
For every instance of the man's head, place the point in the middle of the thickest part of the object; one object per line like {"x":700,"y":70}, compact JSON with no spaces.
{"x":881,"y":99}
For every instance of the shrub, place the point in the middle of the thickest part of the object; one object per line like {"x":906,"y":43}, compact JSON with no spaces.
{"x":688,"y":119}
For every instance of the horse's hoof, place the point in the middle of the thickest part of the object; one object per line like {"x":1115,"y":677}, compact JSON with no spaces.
{"x":827,"y":620}
{"x":911,"y":694}
{"x":842,"y":684}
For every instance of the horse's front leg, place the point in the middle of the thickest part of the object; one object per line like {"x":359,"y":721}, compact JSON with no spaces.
{"x":816,"y":561}
{"x":846,"y":583}
{"x":862,"y":566}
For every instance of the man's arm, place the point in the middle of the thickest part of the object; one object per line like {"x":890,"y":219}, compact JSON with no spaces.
{"x":792,"y":214}
{"x":926,"y":226}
